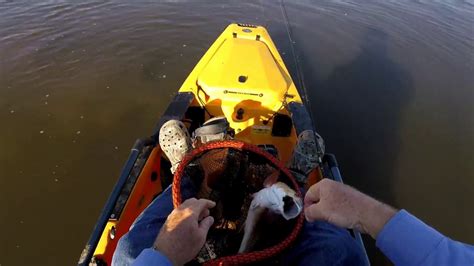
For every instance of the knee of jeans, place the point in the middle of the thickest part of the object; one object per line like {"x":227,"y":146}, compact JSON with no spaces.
{"x":123,"y":252}
{"x":346,"y":247}
{"x":131,"y":244}
{"x":327,"y":244}
{"x":322,"y":229}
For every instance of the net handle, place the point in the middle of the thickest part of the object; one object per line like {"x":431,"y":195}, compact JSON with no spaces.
{"x":254,"y":256}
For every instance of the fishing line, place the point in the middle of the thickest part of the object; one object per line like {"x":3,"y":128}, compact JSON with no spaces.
{"x":299,"y":72}
{"x":264,"y":17}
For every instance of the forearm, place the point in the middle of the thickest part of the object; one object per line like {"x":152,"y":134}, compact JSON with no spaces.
{"x":403,"y":238}
{"x":374,"y":215}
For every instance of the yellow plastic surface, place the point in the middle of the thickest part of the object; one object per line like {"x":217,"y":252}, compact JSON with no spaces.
{"x":216,"y":81}
{"x":104,"y":239}
{"x":264,"y":80}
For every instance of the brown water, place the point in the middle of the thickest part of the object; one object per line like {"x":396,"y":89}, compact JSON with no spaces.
{"x":391,"y":86}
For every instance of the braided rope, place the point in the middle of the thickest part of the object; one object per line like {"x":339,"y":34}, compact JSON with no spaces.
{"x":244,"y":258}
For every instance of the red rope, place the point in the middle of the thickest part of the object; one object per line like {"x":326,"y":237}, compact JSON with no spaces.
{"x":254,"y":256}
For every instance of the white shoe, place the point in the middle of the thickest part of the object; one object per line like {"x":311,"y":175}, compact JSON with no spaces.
{"x":175,"y":142}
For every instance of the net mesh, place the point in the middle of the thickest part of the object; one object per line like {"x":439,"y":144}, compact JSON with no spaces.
{"x":229,"y":173}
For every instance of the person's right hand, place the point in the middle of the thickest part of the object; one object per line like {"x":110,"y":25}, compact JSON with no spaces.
{"x":344,"y":206}
{"x":185,"y":231}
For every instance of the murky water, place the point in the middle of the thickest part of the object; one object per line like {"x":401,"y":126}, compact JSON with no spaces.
{"x":391,"y":86}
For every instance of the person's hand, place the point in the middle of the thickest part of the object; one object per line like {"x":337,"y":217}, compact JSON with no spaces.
{"x":344,"y":206}
{"x":184,"y":232}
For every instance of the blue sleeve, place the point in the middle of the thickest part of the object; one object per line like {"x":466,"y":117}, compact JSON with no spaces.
{"x":406,"y":240}
{"x":151,"y":257}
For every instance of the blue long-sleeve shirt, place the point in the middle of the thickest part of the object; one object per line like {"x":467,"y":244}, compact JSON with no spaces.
{"x":405,"y":240}
{"x":150,"y":256}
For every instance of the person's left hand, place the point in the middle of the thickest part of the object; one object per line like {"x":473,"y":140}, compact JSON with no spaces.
{"x":184,"y":232}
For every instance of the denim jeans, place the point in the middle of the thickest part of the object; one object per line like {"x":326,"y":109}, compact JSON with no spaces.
{"x":319,"y":243}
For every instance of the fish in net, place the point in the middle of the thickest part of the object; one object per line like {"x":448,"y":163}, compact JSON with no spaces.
{"x":257,"y":202}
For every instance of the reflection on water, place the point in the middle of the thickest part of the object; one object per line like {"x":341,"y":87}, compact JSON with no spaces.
{"x":390,"y":84}
{"x":373,"y":90}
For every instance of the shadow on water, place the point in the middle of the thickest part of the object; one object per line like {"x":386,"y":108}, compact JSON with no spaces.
{"x":357,"y":110}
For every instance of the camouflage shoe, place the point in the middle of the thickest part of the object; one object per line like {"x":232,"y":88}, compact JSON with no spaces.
{"x":307,"y":154}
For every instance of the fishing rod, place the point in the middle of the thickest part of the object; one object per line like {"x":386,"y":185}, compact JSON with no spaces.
{"x":299,"y":71}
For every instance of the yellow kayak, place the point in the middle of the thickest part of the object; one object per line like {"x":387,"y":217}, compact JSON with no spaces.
{"x":242,"y":77}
